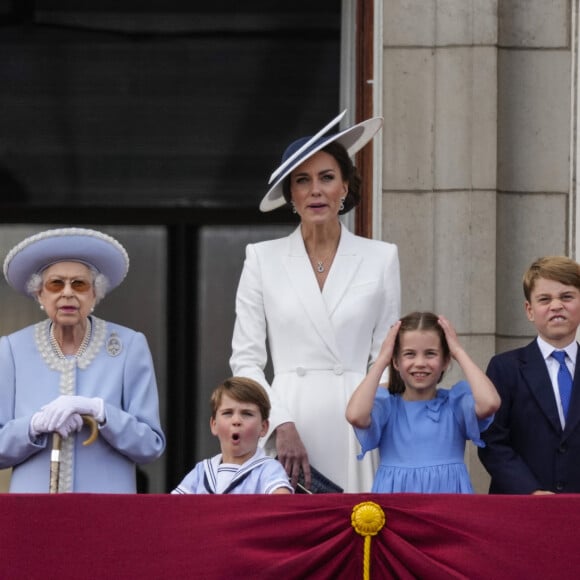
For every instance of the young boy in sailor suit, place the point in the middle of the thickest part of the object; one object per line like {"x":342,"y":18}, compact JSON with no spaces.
{"x":239,"y":417}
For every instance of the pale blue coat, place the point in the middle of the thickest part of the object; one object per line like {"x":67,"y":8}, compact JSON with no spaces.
{"x":124,"y":378}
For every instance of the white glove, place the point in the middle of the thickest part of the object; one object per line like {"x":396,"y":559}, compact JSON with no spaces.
{"x":73,"y":424}
{"x":39,"y":424}
{"x":59,"y":410}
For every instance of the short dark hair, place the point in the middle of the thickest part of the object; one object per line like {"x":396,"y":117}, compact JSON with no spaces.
{"x":243,"y":390}
{"x":415,"y":321}
{"x":348,"y":172}
{"x":558,"y":268}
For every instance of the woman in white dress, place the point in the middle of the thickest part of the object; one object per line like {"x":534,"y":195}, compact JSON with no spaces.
{"x":320,"y":302}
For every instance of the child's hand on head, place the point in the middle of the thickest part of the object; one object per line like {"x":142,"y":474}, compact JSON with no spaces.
{"x":388,"y":345}
{"x":450,"y":335}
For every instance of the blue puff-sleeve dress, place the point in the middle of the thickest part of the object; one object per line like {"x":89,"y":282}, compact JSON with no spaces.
{"x":422,"y":443}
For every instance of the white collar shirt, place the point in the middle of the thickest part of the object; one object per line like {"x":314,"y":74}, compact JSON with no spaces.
{"x":553,"y":366}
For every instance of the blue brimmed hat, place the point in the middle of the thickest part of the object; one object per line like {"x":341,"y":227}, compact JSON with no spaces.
{"x":353,"y":139}
{"x":37,"y":252}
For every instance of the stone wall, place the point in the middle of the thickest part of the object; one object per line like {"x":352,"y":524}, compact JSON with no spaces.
{"x":476,"y":146}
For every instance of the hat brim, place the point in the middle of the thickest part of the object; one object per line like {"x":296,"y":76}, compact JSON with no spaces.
{"x":352,"y":139}
{"x":90,"y":247}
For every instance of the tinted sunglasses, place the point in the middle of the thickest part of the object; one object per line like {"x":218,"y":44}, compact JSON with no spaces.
{"x":56,"y":285}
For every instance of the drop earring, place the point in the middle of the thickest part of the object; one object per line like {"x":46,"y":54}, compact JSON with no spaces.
{"x":293,"y":207}
{"x":341,"y":203}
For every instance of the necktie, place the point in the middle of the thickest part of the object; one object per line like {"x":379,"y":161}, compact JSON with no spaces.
{"x":564,"y":380}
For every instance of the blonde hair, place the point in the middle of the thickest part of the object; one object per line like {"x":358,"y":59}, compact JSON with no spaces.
{"x":558,"y":268}
{"x":243,"y":390}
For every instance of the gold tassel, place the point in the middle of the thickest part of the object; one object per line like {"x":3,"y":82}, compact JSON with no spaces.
{"x":367,"y":519}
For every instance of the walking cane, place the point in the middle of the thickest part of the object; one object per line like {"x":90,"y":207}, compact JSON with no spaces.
{"x":88,"y":420}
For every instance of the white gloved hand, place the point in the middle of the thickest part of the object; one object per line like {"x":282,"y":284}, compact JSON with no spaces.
{"x":73,"y":424}
{"x":59,"y":410}
{"x":38,"y":425}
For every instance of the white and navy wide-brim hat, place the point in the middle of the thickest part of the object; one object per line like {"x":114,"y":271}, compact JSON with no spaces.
{"x":352,"y":139}
{"x":37,"y":252}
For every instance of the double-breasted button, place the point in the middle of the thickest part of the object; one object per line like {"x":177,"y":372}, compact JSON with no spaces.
{"x":300,"y":371}
{"x":338,"y":370}
{"x":563,"y":448}
{"x":559,"y":486}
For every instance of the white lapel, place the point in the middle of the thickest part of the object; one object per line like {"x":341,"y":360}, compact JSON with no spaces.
{"x":344,"y":267}
{"x":306,"y":287}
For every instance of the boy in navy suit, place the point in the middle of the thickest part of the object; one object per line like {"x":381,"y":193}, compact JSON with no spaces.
{"x":533,"y":446}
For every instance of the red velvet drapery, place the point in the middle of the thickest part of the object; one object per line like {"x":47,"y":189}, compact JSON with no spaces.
{"x":287,"y":537}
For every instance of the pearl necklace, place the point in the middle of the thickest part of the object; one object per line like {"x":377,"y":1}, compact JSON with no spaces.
{"x":82,"y":348}
{"x":55,"y":359}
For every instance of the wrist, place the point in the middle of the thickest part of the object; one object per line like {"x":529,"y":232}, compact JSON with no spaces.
{"x":287,"y":426}
{"x":35,"y":430}
{"x":99,"y":412}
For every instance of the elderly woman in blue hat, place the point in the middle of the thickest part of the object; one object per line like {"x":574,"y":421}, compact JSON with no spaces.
{"x":74,"y":364}
{"x":320,"y":302}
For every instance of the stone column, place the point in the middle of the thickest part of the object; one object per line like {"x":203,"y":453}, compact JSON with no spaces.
{"x":534,"y":115}
{"x":439,"y":166}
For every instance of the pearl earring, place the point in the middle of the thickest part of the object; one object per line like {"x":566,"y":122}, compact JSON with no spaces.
{"x":341,"y":203}
{"x":41,"y":306}
{"x":293,"y":207}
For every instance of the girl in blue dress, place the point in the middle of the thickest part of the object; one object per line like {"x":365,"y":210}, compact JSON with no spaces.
{"x":421,"y":430}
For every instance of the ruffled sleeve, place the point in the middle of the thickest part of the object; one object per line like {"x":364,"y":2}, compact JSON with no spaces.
{"x":463,"y":405}
{"x":370,"y":437}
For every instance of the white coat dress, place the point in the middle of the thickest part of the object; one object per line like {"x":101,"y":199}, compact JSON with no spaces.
{"x":321,"y":343}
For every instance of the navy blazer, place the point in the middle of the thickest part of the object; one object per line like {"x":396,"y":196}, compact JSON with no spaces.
{"x":526,"y":448}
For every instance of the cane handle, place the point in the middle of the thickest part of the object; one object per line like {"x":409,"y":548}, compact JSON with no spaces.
{"x":91,"y":422}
